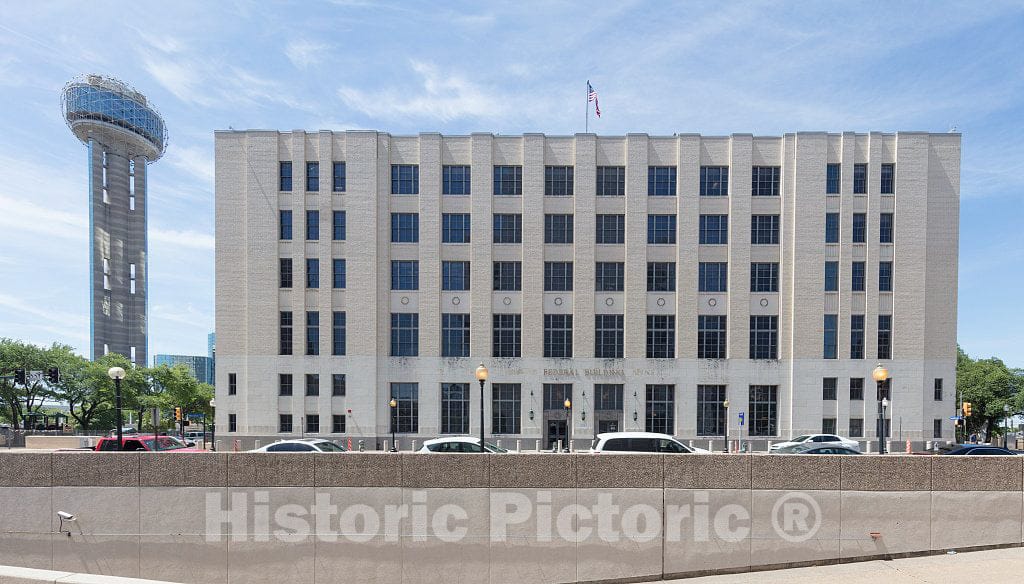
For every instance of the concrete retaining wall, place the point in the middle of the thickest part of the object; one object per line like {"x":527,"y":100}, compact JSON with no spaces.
{"x":503,"y":518}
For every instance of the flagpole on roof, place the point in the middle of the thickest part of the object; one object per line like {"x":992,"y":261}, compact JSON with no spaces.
{"x":587,"y":126}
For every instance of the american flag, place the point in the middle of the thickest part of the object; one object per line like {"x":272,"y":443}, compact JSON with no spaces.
{"x":592,"y":96}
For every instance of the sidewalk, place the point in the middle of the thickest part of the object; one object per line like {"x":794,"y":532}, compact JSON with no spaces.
{"x":990,"y":566}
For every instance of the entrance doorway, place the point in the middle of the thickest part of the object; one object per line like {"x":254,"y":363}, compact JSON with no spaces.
{"x":556,"y":430}
{"x":607,"y":426}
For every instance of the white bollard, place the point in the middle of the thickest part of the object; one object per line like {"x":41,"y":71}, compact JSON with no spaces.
{"x":256,"y":444}
{"x":216,"y":444}
{"x":559,"y":447}
{"x":691,"y":443}
{"x":928,"y":445}
{"x":518,"y":445}
{"x":867,"y":447}
{"x":711,"y":445}
{"x":769,"y":449}
{"x":413,"y":449}
{"x":888,"y":446}
{"x":537,"y":445}
{"x":498,"y":442}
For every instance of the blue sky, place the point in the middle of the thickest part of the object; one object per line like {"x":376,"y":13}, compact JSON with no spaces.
{"x":660,"y":67}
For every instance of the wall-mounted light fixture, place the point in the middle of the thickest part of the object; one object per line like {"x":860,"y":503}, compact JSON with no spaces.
{"x":634,"y":415}
{"x":531,"y":415}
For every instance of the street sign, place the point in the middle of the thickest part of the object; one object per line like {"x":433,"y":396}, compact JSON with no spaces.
{"x":195,"y":416}
{"x":956,"y":418}
{"x":741,"y":418}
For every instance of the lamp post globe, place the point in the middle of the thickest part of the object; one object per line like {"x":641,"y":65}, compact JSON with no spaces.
{"x":117,"y":374}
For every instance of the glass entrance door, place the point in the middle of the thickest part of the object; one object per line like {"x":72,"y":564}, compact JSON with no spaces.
{"x":556,"y":430}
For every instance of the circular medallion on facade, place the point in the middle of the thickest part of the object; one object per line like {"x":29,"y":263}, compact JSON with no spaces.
{"x":609,"y":301}
{"x":558,"y":301}
{"x":506,"y":301}
{"x":405,"y":300}
{"x":661,"y":302}
{"x":456,"y":300}
{"x":712,"y":302}
{"x":764,"y":302}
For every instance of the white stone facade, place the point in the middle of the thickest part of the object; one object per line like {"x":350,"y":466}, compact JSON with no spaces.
{"x":925,"y":207}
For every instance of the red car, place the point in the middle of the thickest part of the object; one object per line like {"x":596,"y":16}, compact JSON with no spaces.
{"x":144,"y":442}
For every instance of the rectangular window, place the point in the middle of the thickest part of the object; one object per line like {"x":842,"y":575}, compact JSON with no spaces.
{"x":888,"y":179}
{"x":285,"y":175}
{"x":558,"y":229}
{"x":338,"y":225}
{"x":860,"y":228}
{"x":555,"y":395}
{"x":856,"y":389}
{"x":337,"y":384}
{"x":661,"y":409}
{"x":284,"y":384}
{"x":285,"y":272}
{"x":454,"y":408}
{"x":508,"y":228}
{"x":764,"y":229}
{"x":312,"y":384}
{"x":405,"y":227}
{"x":860,"y":179}
{"x":831,"y":276}
{"x":661,"y":229}
{"x":764,"y":337}
{"x":936,"y":423}
{"x":608,"y":397}
{"x":714,"y":181}
{"x":714,"y":229}
{"x":285,"y":333}
{"x":609,"y":276}
{"x":312,"y":225}
{"x":232,"y":383}
{"x":764,"y":181}
{"x":455,"y":276}
{"x":338,"y":326}
{"x":856,"y":427}
{"x":856,"y":336}
{"x":284,"y":230}
{"x":557,"y":276}
{"x":507,"y":336}
{"x":312,"y":273}
{"x":938,"y":389}
{"x":857,"y":276}
{"x":508,"y":276}
{"x":661,"y":336}
{"x":312,"y":176}
{"x":711,"y":335}
{"x":558,"y":336}
{"x":885,"y":227}
{"x":885,"y":336}
{"x":455,"y":228}
{"x":338,"y":273}
{"x":831,"y":338}
{"x":608,"y":336}
{"x":710,"y":410}
{"x":508,"y":180}
{"x":828,"y":425}
{"x":338,"y":423}
{"x":454,"y":335}
{"x":764,"y":410}
{"x":611,"y":181}
{"x":831,"y":227}
{"x":713,"y":277}
{"x":885,"y":276}
{"x":312,"y":333}
{"x":405,"y":275}
{"x":455,"y":180}
{"x":232,"y":422}
{"x":338,"y":178}
{"x":405,"y":179}
{"x":661,"y":276}
{"x":405,"y":334}
{"x":764,"y":277}
{"x":558,"y":181}
{"x":284,"y":422}
{"x":405,"y":418}
{"x":832,"y":179}
{"x":506,"y":405}
{"x":828,"y":388}
{"x":661,"y":181}
{"x":611,"y":229}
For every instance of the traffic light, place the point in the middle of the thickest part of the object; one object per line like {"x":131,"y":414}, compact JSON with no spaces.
{"x":19,"y":376}
{"x":967,"y":409}
{"x":177,"y":414}
{"x":53,"y":375}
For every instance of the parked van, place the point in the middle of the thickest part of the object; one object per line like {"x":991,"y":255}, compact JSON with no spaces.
{"x":638,"y":442}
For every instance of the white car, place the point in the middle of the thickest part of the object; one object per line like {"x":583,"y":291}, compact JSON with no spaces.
{"x":628,"y":442}
{"x":458,"y":444}
{"x":301,"y":445}
{"x":818,"y":440}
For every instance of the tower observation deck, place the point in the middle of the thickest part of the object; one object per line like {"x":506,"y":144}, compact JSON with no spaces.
{"x":123,"y":133}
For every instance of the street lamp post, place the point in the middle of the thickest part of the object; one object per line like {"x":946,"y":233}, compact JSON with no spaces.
{"x":213,"y":426}
{"x":568,"y":424}
{"x":1006,"y":425}
{"x":880,"y":374}
{"x":117,"y":374}
{"x":481,"y":376}
{"x":725,"y":404}
{"x":394,"y":422}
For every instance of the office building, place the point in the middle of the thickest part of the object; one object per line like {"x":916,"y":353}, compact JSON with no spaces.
{"x":200,"y":367}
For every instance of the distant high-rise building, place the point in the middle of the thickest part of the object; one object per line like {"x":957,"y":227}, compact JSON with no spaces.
{"x":124,"y":133}
{"x":200,"y":367}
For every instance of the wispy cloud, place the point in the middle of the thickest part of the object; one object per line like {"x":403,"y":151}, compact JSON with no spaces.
{"x":184,"y":239}
{"x":194,"y":160}
{"x":305,"y":52}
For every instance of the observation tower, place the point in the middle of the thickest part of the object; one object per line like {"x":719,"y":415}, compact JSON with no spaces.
{"x":124,"y":133}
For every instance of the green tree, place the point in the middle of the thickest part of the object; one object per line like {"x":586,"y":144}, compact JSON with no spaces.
{"x":178,"y":388}
{"x":22,"y":401}
{"x":989,"y":385}
{"x":90,"y":392}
